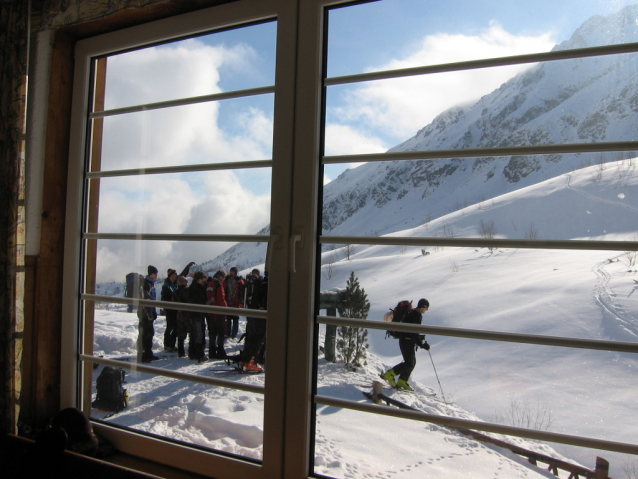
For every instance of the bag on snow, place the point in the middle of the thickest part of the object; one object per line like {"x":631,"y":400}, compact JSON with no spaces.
{"x":397,"y":315}
{"x":111,"y":396}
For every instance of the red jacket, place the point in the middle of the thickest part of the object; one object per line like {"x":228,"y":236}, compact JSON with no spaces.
{"x":215,"y":295}
{"x":236,"y":298}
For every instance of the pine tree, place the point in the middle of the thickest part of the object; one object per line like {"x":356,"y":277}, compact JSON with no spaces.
{"x":352,"y":343}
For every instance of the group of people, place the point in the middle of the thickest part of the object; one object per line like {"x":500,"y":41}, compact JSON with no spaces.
{"x":220,"y":289}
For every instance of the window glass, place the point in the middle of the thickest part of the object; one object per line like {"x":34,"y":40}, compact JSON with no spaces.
{"x":572,"y":194}
{"x":229,"y":201}
{"x":210,"y":202}
{"x":219,"y":62}
{"x":214,"y":132}
{"x":405,"y":449}
{"x":411,"y":33}
{"x":586,"y":100}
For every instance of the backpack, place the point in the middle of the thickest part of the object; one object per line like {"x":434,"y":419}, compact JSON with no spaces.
{"x":111,"y":396}
{"x":251,"y":291}
{"x":397,"y":315}
{"x":134,"y":283}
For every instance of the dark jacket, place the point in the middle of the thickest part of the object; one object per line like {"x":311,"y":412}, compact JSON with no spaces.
{"x":413,"y":317}
{"x":169,"y":288}
{"x":149,"y":292}
{"x":196,"y":295}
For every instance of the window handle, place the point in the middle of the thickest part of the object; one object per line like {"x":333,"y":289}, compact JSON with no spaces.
{"x":294,"y":239}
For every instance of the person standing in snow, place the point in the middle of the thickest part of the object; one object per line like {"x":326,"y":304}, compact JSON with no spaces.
{"x":197,"y":295}
{"x":234,"y":289}
{"x":169,"y":290}
{"x":183,"y":326}
{"x":147,"y":315}
{"x":254,"y":351}
{"x":408,"y":342}
{"x":216,"y":296}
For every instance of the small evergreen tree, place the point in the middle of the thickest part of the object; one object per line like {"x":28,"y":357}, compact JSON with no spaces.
{"x":352,"y":343}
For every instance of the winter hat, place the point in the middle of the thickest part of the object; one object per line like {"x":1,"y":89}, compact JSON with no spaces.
{"x":256,"y":271}
{"x":423,"y":303}
{"x":170,"y":272}
{"x":234,"y":268}
{"x":151,"y":269}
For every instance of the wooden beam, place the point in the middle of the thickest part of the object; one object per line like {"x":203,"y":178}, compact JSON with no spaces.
{"x":48,"y":291}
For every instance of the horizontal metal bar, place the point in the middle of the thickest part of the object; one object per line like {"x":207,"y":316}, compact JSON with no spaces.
{"x":479,"y":426}
{"x":196,"y":308}
{"x":485,"y":63}
{"x":484,"y":152}
{"x":184,"y":101}
{"x":223,"y":383}
{"x":178,"y":237}
{"x":483,"y":243}
{"x":598,"y":344}
{"x":230,"y":165}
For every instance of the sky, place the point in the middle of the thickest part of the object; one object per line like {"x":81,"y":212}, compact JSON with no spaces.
{"x":360,"y":118}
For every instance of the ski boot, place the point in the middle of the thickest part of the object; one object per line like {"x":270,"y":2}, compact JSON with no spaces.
{"x":389,"y":376}
{"x":403,"y":384}
{"x":250,"y":366}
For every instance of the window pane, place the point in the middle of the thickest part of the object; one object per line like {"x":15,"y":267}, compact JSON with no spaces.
{"x":586,"y":100}
{"x":216,"y":418}
{"x":588,"y":196}
{"x":406,"y":33}
{"x":213,"y":202}
{"x":402,"y":449}
{"x":213,"y":132}
{"x":225,"y":61}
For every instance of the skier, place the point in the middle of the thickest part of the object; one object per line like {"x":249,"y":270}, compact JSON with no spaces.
{"x":408,"y":343}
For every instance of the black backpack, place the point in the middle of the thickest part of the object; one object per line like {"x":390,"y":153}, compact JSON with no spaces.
{"x":134,"y":283}
{"x":398,"y":315}
{"x":111,"y":396}
{"x":252,"y":291}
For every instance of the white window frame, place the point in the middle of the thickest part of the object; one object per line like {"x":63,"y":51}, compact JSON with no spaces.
{"x":295,"y":236}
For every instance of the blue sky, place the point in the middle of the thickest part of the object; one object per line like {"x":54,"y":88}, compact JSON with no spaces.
{"x":366,"y":117}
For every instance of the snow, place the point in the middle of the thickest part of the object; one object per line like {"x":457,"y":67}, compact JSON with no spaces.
{"x":579,"y":294}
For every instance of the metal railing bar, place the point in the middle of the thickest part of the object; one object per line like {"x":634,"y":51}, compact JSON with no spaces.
{"x":183,"y":101}
{"x":483,"y":243}
{"x":485,"y":63}
{"x":237,"y":165}
{"x":224,"y":383}
{"x":196,"y":308}
{"x":484,"y":152}
{"x":479,"y":426}
{"x":598,"y":344}
{"x":178,"y":237}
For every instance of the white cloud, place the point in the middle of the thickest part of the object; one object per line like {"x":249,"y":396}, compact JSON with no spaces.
{"x":399,"y":108}
{"x":214,"y":202}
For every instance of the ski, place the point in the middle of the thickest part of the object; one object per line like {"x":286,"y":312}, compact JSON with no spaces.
{"x":236,"y":371}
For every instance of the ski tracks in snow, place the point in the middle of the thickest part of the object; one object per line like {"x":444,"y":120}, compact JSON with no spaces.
{"x":617,"y":323}
{"x":596,"y":198}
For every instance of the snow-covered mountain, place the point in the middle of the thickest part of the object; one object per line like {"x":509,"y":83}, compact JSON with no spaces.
{"x":569,"y":101}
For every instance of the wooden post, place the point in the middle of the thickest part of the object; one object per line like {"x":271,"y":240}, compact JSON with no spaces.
{"x":602,"y":468}
{"x":377,"y":389}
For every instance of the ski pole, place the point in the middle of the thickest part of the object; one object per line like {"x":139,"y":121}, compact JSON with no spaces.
{"x":437,"y":377}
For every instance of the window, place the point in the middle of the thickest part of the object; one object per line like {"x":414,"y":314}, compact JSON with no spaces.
{"x":225,"y":138}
